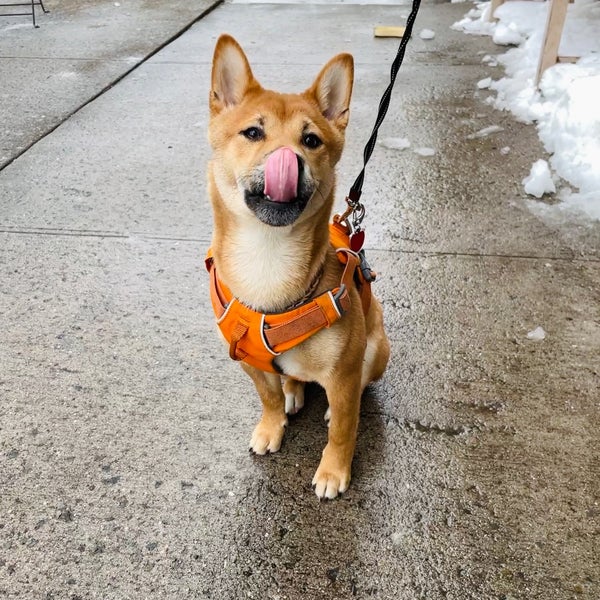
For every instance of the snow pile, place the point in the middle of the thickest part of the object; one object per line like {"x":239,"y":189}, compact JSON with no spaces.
{"x":539,"y":181}
{"x":507,"y":35}
{"x":566,"y":107}
{"x":476,"y":21}
{"x":427,"y":34}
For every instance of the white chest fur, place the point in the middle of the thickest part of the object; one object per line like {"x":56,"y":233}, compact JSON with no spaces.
{"x":267,"y":266}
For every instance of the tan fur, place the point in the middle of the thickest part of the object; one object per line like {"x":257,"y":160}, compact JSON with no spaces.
{"x":270,"y":268}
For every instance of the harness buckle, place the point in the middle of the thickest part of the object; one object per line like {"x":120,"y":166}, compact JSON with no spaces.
{"x":337,"y":297}
{"x":367,"y":273}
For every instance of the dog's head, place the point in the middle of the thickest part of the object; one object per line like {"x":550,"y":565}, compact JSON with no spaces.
{"x":274,"y":154}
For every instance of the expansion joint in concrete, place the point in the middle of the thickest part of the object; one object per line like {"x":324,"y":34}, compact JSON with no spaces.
{"x":139,"y":63}
{"x":89,"y":233}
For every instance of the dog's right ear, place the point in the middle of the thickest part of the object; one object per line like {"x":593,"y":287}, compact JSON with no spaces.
{"x":231,"y":75}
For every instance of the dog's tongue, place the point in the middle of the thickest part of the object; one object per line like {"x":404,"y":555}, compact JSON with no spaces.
{"x":281,"y":175}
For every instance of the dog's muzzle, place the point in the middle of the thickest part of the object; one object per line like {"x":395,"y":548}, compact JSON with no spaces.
{"x":280,"y":195}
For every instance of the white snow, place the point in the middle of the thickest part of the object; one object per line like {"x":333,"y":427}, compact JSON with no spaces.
{"x":566,"y":107}
{"x":425,"y":151}
{"x":484,"y":84}
{"x":427,"y":34}
{"x":507,"y":35}
{"x":475,"y":21}
{"x":491,"y":60}
{"x":396,"y":143}
{"x":539,"y":181}
{"x":505,"y":150}
{"x":536,"y":335}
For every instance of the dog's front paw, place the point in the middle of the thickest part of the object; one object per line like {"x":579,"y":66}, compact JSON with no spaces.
{"x":330,"y":479}
{"x":267,"y":436}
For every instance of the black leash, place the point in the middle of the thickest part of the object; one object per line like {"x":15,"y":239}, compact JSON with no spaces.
{"x":356,"y":209}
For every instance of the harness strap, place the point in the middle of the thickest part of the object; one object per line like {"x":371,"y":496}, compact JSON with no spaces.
{"x":257,"y":338}
{"x":322,"y":311}
{"x":239,"y":331}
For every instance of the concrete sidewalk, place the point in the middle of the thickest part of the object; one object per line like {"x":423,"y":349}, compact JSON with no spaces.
{"x":124,"y":470}
{"x":79,"y":50}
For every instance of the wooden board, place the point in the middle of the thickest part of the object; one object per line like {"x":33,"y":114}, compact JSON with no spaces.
{"x":389,"y":31}
{"x":557,"y":11}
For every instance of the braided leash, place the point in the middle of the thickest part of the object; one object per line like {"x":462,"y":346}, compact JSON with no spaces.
{"x":355,"y":212}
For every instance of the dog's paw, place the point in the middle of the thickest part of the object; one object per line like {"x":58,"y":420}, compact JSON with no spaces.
{"x":267,"y":437}
{"x":294,"y":396}
{"x":329,"y":482}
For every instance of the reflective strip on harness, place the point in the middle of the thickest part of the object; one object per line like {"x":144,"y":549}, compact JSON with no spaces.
{"x":263,"y":328}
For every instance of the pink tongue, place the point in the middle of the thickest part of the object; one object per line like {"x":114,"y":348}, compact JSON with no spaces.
{"x":281,"y":175}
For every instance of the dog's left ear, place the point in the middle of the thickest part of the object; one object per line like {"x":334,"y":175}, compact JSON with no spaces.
{"x":333,"y":88}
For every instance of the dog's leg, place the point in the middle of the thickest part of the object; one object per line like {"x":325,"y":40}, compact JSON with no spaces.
{"x":294,"y":395}
{"x":333,"y":475}
{"x":377,"y":352}
{"x":268,"y":433}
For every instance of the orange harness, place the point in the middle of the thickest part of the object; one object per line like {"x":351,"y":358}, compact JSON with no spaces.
{"x":257,"y":338}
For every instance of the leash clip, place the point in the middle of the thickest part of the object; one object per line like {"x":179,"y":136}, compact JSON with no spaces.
{"x":355,"y":213}
{"x":352,"y":217}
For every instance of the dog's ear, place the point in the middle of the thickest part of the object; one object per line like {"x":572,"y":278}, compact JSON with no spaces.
{"x":231,"y":75}
{"x":333,"y":88}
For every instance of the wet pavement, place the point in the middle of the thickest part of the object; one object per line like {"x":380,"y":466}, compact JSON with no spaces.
{"x":124,"y":470}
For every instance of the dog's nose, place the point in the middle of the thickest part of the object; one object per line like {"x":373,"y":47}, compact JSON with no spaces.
{"x":282,"y":173}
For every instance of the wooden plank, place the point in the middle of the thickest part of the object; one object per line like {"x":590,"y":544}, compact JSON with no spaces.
{"x":493,"y":6}
{"x":567,"y":59}
{"x":557,"y":11}
{"x":389,"y":31}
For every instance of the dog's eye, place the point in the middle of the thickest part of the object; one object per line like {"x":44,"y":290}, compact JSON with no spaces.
{"x":312,"y":141}
{"x":253,"y":134}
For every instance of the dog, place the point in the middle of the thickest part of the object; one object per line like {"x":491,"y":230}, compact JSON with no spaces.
{"x":271,"y":181}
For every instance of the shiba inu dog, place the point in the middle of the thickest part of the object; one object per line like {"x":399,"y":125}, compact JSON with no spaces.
{"x":291,"y":308}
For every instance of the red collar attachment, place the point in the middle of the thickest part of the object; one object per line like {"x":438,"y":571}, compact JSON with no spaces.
{"x":257,"y":338}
